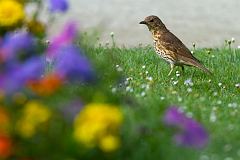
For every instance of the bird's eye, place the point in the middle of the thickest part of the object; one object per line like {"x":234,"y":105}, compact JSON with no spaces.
{"x":151,"y":20}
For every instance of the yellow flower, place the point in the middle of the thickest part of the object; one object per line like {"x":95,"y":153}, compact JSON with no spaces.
{"x":34,"y":114}
{"x":109,"y":143}
{"x":26,"y":129}
{"x":11,"y":13}
{"x":95,"y":123}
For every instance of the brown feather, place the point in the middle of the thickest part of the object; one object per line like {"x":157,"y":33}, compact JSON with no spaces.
{"x":170,"y":42}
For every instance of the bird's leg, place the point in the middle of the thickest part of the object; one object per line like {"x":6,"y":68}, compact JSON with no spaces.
{"x":172,"y":67}
{"x":182,"y":68}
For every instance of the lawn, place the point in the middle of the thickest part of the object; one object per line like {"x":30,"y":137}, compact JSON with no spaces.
{"x":65,"y":97}
{"x":213,"y":100}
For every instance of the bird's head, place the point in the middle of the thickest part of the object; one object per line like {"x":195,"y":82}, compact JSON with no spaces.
{"x":153,"y":23}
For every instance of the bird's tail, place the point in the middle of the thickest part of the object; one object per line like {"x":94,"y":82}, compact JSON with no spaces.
{"x":203,"y":68}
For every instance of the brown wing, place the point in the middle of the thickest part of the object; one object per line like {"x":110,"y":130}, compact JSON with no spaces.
{"x":171,"y":43}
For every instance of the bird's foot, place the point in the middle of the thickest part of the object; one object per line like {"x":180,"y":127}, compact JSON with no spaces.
{"x":169,"y":74}
{"x":183,"y":71}
{"x":172,"y":67}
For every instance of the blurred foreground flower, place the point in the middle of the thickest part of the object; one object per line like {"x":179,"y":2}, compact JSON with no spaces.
{"x":18,"y":61}
{"x":5,"y":146}
{"x":98,"y":125}
{"x":190,"y":133}
{"x":15,"y":44}
{"x":17,"y":76}
{"x":46,"y":85}
{"x":64,"y":39}
{"x":71,"y":64}
{"x":69,"y":61}
{"x":11,"y":13}
{"x":58,"y":5}
{"x":34,"y":114}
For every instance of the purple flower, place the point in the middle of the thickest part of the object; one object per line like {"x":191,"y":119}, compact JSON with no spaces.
{"x":15,"y":43}
{"x":19,"y":74}
{"x":58,"y":5}
{"x":72,"y":65}
{"x":71,"y":109}
{"x":63,"y":39}
{"x":190,"y":133}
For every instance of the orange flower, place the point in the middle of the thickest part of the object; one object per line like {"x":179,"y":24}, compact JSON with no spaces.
{"x":46,"y":86}
{"x":5,"y":146}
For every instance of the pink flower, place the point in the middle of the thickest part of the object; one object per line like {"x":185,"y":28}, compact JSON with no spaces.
{"x":62,"y":40}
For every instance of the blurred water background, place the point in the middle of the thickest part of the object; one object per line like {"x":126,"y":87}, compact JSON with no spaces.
{"x":207,"y":22}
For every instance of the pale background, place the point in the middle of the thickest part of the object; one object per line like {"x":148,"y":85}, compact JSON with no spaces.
{"x":206,"y":22}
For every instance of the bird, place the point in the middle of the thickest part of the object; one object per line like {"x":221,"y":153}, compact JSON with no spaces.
{"x":169,"y":47}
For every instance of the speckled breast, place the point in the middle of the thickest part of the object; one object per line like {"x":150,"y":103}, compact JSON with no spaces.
{"x":162,"y":54}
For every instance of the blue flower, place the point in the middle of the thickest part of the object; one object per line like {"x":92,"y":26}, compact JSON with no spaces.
{"x":17,"y":76}
{"x":14,"y":44}
{"x":58,"y":5}
{"x":72,"y":65}
{"x":191,"y":133}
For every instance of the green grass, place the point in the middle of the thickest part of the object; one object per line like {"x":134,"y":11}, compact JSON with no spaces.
{"x":213,"y":100}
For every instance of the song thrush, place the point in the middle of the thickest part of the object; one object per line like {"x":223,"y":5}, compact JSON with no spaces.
{"x":169,"y":47}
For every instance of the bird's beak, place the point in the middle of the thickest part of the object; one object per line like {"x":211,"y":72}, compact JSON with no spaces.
{"x":142,"y":22}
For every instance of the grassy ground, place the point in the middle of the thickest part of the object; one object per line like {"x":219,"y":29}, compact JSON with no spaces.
{"x":212,"y":100}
